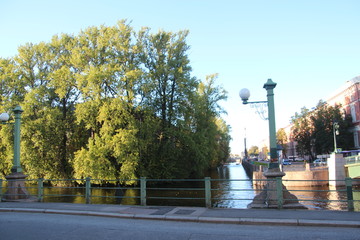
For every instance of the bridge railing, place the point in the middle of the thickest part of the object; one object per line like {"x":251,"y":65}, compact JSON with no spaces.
{"x":190,"y":192}
{"x":336,"y":198}
{"x":352,"y":159}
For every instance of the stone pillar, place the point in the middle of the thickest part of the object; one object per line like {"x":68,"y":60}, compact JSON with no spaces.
{"x":16,"y":189}
{"x":336,"y":164}
{"x":268,"y":198}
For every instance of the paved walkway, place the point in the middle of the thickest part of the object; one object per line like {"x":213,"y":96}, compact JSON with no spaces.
{"x":319,"y":218}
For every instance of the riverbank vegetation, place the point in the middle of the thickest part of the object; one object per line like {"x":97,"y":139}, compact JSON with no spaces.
{"x":112,"y":103}
{"x":314,"y":130}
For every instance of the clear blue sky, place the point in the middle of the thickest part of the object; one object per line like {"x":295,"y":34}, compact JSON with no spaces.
{"x":309,"y":48}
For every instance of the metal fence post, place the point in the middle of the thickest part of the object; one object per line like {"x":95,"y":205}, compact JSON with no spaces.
{"x":88,"y":190}
{"x":349,"y":193}
{"x":207,"y":192}
{"x":279,"y":192}
{"x":143,"y":191}
{"x":1,"y":189}
{"x":40,"y":189}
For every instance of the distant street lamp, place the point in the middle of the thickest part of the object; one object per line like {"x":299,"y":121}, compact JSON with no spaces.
{"x":16,"y":180}
{"x":245,"y":152}
{"x":269,"y":198}
{"x":335,"y":132}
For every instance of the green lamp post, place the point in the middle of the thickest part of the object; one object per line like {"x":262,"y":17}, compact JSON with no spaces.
{"x":17,"y":113}
{"x":269,"y":198}
{"x":4,"y":117}
{"x":269,"y":86}
{"x":16,"y":179}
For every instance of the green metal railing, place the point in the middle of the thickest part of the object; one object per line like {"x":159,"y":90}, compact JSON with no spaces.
{"x":348,"y":191}
{"x":202,"y":190}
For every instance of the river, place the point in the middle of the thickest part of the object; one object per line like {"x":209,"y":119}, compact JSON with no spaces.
{"x":231,"y":188}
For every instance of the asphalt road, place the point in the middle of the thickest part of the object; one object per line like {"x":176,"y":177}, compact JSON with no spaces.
{"x":15,"y":225}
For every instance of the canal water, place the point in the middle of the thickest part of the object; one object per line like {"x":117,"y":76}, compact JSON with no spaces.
{"x":231,"y":188}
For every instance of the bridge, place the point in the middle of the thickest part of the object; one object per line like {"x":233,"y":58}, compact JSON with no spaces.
{"x":352,"y":166}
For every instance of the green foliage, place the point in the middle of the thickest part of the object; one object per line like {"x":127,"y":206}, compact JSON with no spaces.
{"x":112,"y":103}
{"x":6,"y":150}
{"x":323,"y":121}
{"x":253,"y":151}
{"x":264,"y":152}
{"x":313,"y":130}
{"x":282,"y":140}
{"x":302,"y":132}
{"x":10,"y":93}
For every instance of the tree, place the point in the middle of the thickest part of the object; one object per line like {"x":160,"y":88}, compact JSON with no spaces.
{"x":302,"y":132}
{"x":112,"y":103}
{"x":323,"y":120}
{"x":169,"y":88}
{"x":40,"y":129}
{"x":282,"y":140}
{"x":223,"y":140}
{"x":253,"y":151}
{"x":110,"y":87}
{"x":265,"y":152}
{"x":11,"y":94}
{"x":167,"y":65}
{"x":208,"y":127}
{"x":62,"y":78}
{"x":313,"y":130}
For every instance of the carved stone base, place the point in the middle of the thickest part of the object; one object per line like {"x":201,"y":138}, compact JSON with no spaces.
{"x":269,"y":199}
{"x":16,"y":189}
{"x":263,"y":200}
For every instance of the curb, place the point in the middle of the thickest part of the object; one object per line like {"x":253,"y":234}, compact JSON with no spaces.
{"x":243,"y":221}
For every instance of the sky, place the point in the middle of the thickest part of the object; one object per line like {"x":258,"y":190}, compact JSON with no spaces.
{"x":309,"y":48}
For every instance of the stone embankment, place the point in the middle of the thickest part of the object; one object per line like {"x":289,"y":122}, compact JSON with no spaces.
{"x":298,"y":175}
{"x":249,"y":168}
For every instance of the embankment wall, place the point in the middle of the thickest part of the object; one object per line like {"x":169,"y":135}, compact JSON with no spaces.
{"x":302,"y":178}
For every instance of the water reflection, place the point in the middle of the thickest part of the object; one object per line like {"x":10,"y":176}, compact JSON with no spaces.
{"x":237,"y":193}
{"x":321,"y":197}
{"x":62,"y":194}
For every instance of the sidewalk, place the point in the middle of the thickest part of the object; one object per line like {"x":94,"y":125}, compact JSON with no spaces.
{"x":318,"y":218}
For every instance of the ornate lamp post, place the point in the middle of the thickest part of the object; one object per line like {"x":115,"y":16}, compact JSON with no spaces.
{"x":269,"y":198}
{"x":4,"y":117}
{"x":269,"y":86}
{"x":16,"y":180}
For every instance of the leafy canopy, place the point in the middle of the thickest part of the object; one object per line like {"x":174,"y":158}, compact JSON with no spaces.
{"x":112,"y":103}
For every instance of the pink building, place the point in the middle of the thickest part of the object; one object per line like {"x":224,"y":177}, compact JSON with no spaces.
{"x":348,"y":96}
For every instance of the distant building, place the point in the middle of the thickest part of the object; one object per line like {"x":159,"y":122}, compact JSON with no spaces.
{"x":291,"y":145}
{"x":348,"y":96}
